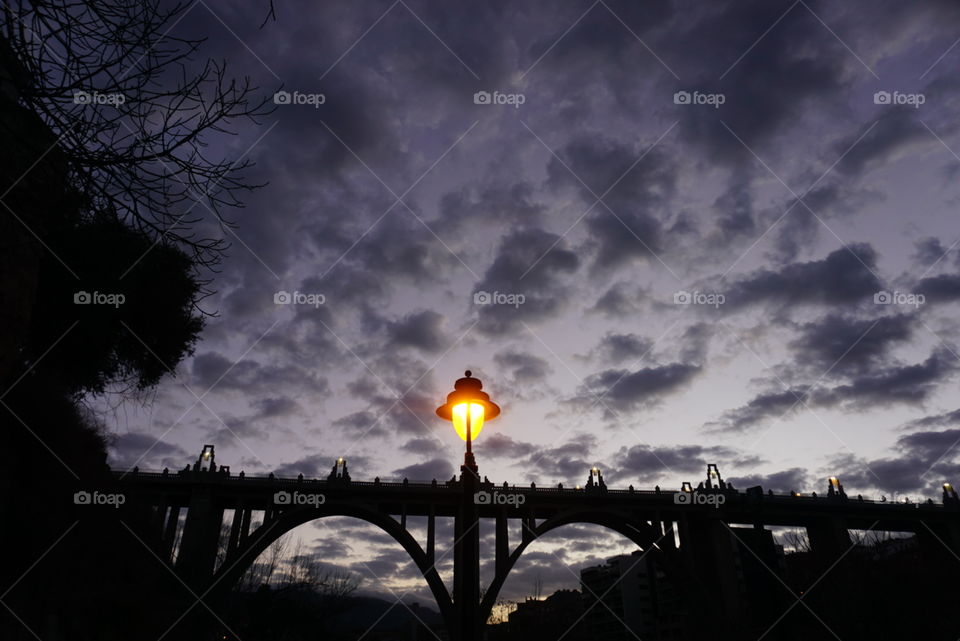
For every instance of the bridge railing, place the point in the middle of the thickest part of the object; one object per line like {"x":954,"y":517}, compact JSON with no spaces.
{"x":226,"y":477}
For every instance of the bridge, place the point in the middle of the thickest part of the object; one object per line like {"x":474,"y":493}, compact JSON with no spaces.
{"x":690,"y":531}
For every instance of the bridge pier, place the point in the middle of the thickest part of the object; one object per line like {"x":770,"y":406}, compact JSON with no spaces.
{"x":711,"y":552}
{"x":502,"y":543}
{"x":466,"y":564}
{"x":201,"y":533}
{"x":940,"y":543}
{"x":431,"y":535}
{"x":829,"y":539}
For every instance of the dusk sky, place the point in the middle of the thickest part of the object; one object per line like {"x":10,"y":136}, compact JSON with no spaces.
{"x":663,"y":234}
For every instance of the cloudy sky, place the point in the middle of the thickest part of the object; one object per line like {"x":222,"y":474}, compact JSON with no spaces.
{"x":662,"y":233}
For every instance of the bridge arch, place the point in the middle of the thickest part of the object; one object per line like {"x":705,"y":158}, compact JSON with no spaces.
{"x":646,"y":536}
{"x":237,"y":562}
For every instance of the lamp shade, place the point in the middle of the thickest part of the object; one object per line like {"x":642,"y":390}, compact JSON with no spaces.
{"x":467,"y":397}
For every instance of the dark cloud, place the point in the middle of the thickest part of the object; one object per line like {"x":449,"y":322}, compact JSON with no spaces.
{"x":769,"y":81}
{"x":617,"y":348}
{"x":891,"y":385}
{"x":422,"y":330}
{"x":359,"y":423}
{"x":618,"y":302}
{"x":771,"y":405}
{"x":318,"y":466}
{"x":923,"y":462}
{"x":437,"y":468}
{"x":635,"y":185}
{"x":847,"y":345}
{"x":212,"y":369}
{"x":423,"y":446}
{"x":937,"y":420}
{"x":793,"y":479}
{"x":943,"y":288}
{"x":531,"y":263}
{"x":626,"y":391}
{"x":501,"y":446}
{"x":275,"y":407}
{"x":845,"y":277}
{"x":469,"y":207}
{"x":649,"y":463}
{"x":735,"y":212}
{"x":897,"y":131}
{"x":929,"y":251}
{"x":524,"y":368}
{"x":147,"y":452}
{"x":566,"y":462}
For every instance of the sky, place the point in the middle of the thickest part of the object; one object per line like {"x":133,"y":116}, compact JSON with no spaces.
{"x":663,"y":234}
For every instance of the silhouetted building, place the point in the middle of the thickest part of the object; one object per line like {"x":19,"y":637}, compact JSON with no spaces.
{"x":559,"y":615}
{"x":636,"y":597}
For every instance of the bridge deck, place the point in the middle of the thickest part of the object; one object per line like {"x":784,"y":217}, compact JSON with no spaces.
{"x":443,"y":498}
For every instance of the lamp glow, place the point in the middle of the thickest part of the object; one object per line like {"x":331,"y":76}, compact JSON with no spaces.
{"x":460,"y":419}
{"x":468,"y":408}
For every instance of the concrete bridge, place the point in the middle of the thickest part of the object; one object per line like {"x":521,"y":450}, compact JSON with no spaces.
{"x":689,"y":531}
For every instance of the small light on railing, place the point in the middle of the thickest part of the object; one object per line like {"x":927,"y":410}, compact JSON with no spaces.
{"x":686,"y":487}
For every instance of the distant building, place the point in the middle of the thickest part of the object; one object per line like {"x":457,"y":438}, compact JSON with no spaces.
{"x":559,"y":615}
{"x":636,"y":597}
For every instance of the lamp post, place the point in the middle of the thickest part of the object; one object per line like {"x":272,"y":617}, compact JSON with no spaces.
{"x":468,"y":408}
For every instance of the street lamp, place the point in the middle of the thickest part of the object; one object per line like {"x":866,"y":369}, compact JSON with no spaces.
{"x":468,"y":407}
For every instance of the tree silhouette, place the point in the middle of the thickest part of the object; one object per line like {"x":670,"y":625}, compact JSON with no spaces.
{"x":130,"y":111}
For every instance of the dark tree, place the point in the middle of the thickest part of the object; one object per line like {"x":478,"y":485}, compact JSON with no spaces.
{"x":131,"y":111}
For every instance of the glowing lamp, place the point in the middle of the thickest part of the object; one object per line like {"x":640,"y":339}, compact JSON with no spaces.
{"x":468,"y":408}
{"x":474,"y":420}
